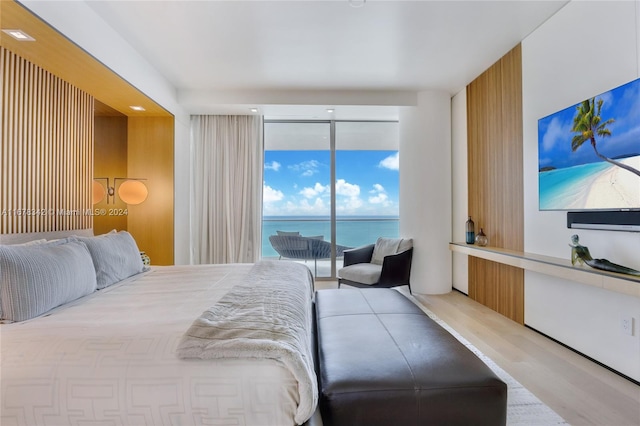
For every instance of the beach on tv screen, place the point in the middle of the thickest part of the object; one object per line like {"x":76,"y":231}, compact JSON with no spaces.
{"x":589,"y":153}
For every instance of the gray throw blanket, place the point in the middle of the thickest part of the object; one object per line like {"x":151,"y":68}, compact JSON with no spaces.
{"x":267,"y":315}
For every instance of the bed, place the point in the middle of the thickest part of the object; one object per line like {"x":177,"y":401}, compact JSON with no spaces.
{"x":110,"y":357}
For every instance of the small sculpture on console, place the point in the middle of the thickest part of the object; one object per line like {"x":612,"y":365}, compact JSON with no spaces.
{"x":581,"y":254}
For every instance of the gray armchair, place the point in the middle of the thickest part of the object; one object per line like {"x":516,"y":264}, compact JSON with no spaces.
{"x":305,"y":248}
{"x":387,"y":263}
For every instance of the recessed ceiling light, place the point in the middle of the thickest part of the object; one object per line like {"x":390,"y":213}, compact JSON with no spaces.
{"x":330,"y":110}
{"x":254,"y":109}
{"x":137,"y":108}
{"x":19,"y":35}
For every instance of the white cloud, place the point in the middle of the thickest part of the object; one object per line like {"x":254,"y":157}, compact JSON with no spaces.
{"x":349,"y":201}
{"x":305,"y":207}
{"x":353,"y":203}
{"x":377,"y":188}
{"x":556,"y":132}
{"x":315,"y":191}
{"x":270,"y":195}
{"x":306,"y":168}
{"x":381,"y":198}
{"x":318,"y":206}
{"x":275,"y":166}
{"x":379,"y":195}
{"x":347,"y":189}
{"x":392,"y":162}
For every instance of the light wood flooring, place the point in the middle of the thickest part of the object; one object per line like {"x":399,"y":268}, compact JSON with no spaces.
{"x":579,"y":390}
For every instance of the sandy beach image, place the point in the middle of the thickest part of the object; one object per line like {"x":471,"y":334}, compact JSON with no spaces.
{"x":614,"y":188}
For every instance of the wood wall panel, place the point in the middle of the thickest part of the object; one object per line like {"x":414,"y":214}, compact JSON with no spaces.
{"x":110,"y":161}
{"x":494,"y":125}
{"x":46,"y":153}
{"x":150,"y":148}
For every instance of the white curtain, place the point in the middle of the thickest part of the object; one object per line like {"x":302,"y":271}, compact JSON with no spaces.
{"x":227,"y":167}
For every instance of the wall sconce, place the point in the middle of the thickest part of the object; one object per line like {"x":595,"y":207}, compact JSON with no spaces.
{"x":131,"y":191}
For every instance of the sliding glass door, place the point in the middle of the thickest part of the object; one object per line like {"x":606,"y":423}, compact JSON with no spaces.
{"x":367,"y":181}
{"x":328,"y":186}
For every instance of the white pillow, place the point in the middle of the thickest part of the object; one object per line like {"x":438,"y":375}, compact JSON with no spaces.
{"x":37,"y":278}
{"x":384,"y":247}
{"x":115,"y":257}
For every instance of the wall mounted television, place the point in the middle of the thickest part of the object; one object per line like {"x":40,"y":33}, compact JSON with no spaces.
{"x":589,"y":160}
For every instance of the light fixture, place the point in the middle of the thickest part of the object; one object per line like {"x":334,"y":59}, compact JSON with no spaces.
{"x":330,"y":110}
{"x":137,"y":107}
{"x":19,"y":35}
{"x":98,"y":191}
{"x":254,"y":110}
{"x":131,"y":191}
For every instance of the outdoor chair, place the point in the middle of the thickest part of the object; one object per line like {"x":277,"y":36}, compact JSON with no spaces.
{"x":304,"y":248}
{"x":387,"y":263}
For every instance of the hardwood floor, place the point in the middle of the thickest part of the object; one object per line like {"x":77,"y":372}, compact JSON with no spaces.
{"x":579,"y":390}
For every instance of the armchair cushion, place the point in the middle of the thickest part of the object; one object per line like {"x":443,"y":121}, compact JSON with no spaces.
{"x":405,"y":245}
{"x":384,"y":247}
{"x":364,"y":273}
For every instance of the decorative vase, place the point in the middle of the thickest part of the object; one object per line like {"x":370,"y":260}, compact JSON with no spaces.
{"x":145,"y":258}
{"x":481,"y":238}
{"x":470,"y":231}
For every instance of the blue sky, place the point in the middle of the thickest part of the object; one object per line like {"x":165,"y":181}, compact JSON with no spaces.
{"x":554,"y":131}
{"x":296,"y":183}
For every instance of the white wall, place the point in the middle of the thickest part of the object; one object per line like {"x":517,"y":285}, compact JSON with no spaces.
{"x":425,"y":189}
{"x":585,"y":49}
{"x":460,"y":187}
{"x":77,"y":21}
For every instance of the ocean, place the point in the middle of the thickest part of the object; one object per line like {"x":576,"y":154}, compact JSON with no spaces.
{"x":560,"y":189}
{"x":350,"y":231}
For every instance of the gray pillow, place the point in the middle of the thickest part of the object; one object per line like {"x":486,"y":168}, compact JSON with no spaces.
{"x":35,"y":279}
{"x":115,"y":257}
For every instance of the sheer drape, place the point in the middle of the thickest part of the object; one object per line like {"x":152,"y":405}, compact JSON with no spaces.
{"x":227,"y":159}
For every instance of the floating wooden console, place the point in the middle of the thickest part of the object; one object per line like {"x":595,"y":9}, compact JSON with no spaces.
{"x":561,"y":268}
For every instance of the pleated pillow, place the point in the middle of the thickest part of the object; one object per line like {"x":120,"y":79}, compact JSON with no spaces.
{"x":37,"y":278}
{"x":115,"y":257}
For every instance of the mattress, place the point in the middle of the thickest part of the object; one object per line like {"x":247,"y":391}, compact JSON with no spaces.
{"x":109,"y":358}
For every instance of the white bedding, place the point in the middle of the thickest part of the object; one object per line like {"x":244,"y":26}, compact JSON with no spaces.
{"x":109,"y":358}
{"x":267,"y":316}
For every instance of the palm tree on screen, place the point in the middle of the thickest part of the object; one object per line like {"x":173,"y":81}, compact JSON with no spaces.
{"x":587,"y":123}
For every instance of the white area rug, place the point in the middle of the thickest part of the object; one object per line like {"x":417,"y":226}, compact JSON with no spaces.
{"x":523,"y":408}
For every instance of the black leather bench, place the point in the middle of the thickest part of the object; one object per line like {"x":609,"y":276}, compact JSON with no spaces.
{"x":382,"y":361}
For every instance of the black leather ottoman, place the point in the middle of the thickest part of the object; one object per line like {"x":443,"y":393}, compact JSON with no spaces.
{"x":382,"y":361}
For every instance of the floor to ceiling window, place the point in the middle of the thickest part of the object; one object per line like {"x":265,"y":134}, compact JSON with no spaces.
{"x":328,"y":186}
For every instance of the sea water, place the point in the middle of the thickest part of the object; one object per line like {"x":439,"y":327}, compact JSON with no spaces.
{"x":350,"y":231}
{"x":562,"y":189}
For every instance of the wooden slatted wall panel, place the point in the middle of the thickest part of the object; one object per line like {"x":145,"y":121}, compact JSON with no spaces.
{"x":47,"y":150}
{"x":494,"y":120}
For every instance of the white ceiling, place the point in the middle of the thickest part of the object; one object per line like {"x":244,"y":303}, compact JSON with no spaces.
{"x":275,"y":54}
